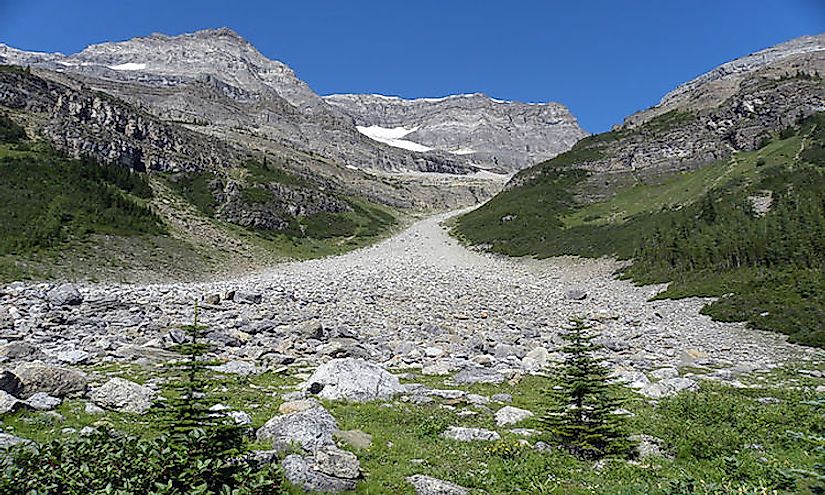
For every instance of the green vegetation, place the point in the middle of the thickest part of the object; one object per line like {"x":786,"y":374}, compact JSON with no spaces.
{"x":582,"y":417}
{"x":49,"y":200}
{"x":766,"y":438}
{"x":10,"y":132}
{"x":753,"y":227}
{"x":196,"y":451}
{"x":196,"y":187}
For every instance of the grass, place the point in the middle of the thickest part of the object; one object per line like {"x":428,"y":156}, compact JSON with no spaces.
{"x":722,"y":439}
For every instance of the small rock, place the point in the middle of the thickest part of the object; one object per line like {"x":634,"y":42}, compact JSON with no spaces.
{"x":575,"y":295}
{"x":213,"y":299}
{"x":668,"y":387}
{"x":354,"y":438}
{"x":664,"y":373}
{"x":92,"y":409}
{"x":462,"y":434}
{"x":240,"y":368}
{"x":248,"y":297}
{"x":469,"y":376}
{"x":502,"y":398}
{"x":425,"y":485}
{"x":9,"y":403}
{"x":7,"y":440}
{"x":298,"y":406}
{"x":648,"y":446}
{"x":43,"y":401}
{"x":73,"y":356}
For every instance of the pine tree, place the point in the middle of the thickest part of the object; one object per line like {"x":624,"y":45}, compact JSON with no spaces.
{"x":208,"y":437}
{"x":582,"y":418}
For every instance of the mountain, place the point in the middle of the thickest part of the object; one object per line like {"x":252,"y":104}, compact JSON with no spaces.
{"x":719,"y":189}
{"x":503,"y":135}
{"x":216,"y":79}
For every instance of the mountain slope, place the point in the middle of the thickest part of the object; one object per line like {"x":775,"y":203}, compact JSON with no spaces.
{"x":725,"y":198}
{"x":218,"y":81}
{"x":504,"y":135}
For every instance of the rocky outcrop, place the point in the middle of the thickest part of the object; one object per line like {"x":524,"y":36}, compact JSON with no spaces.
{"x":500,"y":135}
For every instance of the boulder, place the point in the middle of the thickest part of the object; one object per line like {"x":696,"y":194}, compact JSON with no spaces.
{"x":536,"y":359}
{"x":311,"y":429}
{"x":122,"y":395}
{"x":425,"y":485}
{"x":9,"y":382}
{"x":7,"y":440}
{"x":240,"y":368}
{"x":20,"y":351}
{"x":73,"y":356}
{"x":575,"y":295}
{"x":470,"y":376}
{"x":462,"y":434}
{"x":301,"y":472}
{"x":9,"y":403}
{"x":336,"y":462}
{"x":64,"y":295}
{"x":60,"y":382}
{"x":244,"y":297}
{"x":43,"y":401}
{"x":509,"y":415}
{"x":353,"y":380}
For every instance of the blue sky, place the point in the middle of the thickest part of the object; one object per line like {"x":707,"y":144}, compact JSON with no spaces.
{"x":603,"y":59}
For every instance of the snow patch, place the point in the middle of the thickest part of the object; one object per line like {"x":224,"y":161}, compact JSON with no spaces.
{"x":392,"y":136}
{"x":128,"y":66}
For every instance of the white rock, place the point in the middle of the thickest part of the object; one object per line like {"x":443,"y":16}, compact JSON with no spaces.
{"x":354,"y":380}
{"x":122,"y":395}
{"x":509,"y":415}
{"x":462,"y":434}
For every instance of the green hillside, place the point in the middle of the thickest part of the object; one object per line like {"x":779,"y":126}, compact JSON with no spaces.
{"x":751,"y":228}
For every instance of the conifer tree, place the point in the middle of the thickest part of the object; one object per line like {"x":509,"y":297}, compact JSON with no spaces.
{"x":581,"y":418}
{"x":207,"y":436}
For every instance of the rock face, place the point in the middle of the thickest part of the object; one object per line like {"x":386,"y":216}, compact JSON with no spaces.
{"x":732,"y":108}
{"x":805,"y":54}
{"x":59,"y":382}
{"x":354,"y":380}
{"x":502,"y":135}
{"x":124,"y":396}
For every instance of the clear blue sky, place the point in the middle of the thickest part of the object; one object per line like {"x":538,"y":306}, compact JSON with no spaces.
{"x":604,"y":59}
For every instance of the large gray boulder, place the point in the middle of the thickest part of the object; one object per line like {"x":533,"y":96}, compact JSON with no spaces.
{"x":425,"y":485}
{"x":64,"y":295}
{"x":353,"y":380}
{"x":122,"y":395}
{"x":59,"y":382}
{"x":337,"y":462}
{"x":310,"y":428}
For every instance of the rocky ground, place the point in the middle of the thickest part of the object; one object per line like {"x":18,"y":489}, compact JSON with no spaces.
{"x":417,"y":299}
{"x":440,"y":316}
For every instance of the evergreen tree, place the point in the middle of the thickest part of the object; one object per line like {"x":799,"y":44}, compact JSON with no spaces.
{"x":581,"y":418}
{"x":208,"y":437}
